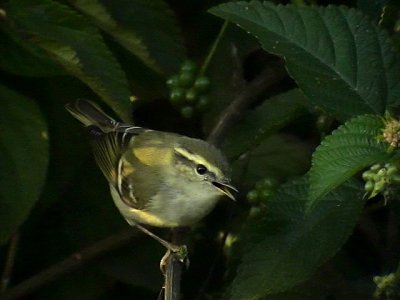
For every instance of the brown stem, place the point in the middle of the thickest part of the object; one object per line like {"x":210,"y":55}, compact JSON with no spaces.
{"x":233,"y":113}
{"x":69,"y":264}
{"x":12,"y":250}
{"x":173,"y":274}
{"x":173,"y":269}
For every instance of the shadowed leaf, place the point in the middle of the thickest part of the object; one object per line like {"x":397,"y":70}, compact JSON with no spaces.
{"x":264,"y":120}
{"x":78,"y":47}
{"x":24,"y":158}
{"x":287,"y":243}
{"x":146,"y":29}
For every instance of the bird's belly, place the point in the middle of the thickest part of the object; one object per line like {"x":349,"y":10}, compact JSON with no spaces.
{"x":169,"y":208}
{"x":182,"y":209}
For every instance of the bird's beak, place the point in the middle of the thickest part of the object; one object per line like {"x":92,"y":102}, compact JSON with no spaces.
{"x":226,"y":189}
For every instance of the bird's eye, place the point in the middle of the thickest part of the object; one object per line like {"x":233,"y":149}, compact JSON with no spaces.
{"x":201,"y":169}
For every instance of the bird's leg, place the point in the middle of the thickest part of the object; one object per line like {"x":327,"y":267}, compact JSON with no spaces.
{"x":181,"y":254}
{"x":181,"y":251}
{"x":169,"y":246}
{"x":164,"y":262}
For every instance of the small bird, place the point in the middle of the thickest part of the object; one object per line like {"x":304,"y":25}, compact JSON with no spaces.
{"x":156,"y":178}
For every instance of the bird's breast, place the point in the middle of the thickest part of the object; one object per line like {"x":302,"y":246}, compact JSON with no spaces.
{"x":183,"y":206}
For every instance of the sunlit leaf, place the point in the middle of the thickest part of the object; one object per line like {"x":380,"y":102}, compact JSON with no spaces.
{"x":349,"y":149}
{"x":338,"y":57}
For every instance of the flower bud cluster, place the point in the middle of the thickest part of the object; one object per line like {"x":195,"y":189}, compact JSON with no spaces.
{"x":379,"y":178}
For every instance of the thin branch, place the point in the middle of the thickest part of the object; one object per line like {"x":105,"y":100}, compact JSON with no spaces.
{"x":254,"y":89}
{"x":173,"y":268}
{"x":213,"y":49}
{"x":172,"y":284}
{"x":69,"y":264}
{"x":10,"y":259}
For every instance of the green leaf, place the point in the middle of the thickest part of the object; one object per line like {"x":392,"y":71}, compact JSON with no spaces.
{"x":278,"y":156}
{"x":226,"y":81}
{"x":146,"y":29}
{"x":70,"y":144}
{"x":341,"y":61}
{"x":24,"y":157}
{"x":372,"y":8}
{"x":350,"y":148}
{"x":78,"y":47}
{"x":286,"y":245}
{"x":264,"y":120}
{"x":23,"y":58}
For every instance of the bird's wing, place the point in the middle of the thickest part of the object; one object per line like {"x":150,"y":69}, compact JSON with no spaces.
{"x":109,"y":152}
{"x":110,"y":140}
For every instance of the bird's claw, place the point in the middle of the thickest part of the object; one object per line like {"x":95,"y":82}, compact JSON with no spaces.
{"x":180,"y":252}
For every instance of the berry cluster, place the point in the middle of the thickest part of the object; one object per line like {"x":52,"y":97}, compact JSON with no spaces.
{"x":379,"y":178}
{"x":187,"y":90}
{"x":262,"y":190}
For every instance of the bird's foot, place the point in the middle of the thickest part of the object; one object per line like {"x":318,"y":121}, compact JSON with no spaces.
{"x":179,"y":252}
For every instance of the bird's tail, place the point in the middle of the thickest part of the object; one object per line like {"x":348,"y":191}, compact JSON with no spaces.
{"x":89,"y":114}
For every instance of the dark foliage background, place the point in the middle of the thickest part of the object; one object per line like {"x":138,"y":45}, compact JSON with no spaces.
{"x":290,"y":75}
